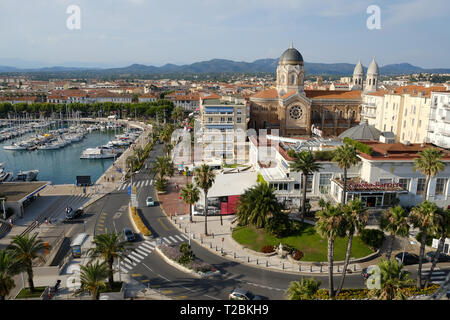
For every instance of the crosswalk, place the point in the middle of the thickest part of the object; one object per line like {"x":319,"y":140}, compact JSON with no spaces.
{"x":145,"y":248}
{"x":137,"y":184}
{"x":438,"y":276}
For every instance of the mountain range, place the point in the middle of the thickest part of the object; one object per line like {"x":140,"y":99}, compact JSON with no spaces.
{"x":226,"y":66}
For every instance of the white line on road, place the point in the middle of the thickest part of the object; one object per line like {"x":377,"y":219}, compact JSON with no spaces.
{"x":173,"y":239}
{"x":141,"y":251}
{"x":211,"y":297}
{"x":134,"y":258}
{"x":179,"y":238}
{"x":151,"y":182}
{"x":167,"y":240}
{"x":185,"y":236}
{"x":146,"y":250}
{"x":146,"y":182}
{"x":134,"y":253}
{"x":149,"y":244}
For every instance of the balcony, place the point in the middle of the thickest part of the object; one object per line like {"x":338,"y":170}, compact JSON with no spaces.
{"x":368,"y":115}
{"x":369,"y":104}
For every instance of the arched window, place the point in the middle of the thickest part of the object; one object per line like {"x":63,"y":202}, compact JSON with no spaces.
{"x":292,"y":79}
{"x":283,"y":79}
{"x":370,"y":82}
{"x":359,"y":81}
{"x":353,"y":115}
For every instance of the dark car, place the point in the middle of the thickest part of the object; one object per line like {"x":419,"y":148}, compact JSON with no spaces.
{"x":442,"y":257}
{"x":73,"y":214}
{"x":409,"y":258}
{"x":243,"y":294}
{"x":128,"y":235}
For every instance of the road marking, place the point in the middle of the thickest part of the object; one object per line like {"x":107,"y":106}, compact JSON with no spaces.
{"x":180,"y":297}
{"x":151,"y":182}
{"x":134,"y":258}
{"x":173,"y":239}
{"x":167,"y":240}
{"x":145,"y":250}
{"x":162,"y":223}
{"x":178,"y":237}
{"x":148,"y":246}
{"x":141,"y":251}
{"x":211,"y":297}
{"x":136,"y":275}
{"x":126,"y":266}
{"x":185,"y":236}
{"x":146,"y":182}
{"x":146,"y":280}
{"x":167,"y":291}
{"x":138,"y":184}
{"x":134,"y":253}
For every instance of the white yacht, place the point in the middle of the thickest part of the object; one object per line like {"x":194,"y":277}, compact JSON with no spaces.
{"x":15,"y":146}
{"x":29,"y":175}
{"x":97,"y":153}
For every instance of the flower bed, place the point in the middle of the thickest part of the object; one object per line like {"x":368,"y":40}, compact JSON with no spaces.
{"x":139,"y":223}
{"x":174,"y":254}
{"x":363,"y":294}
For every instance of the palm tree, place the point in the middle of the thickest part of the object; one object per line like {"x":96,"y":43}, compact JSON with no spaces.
{"x":131,"y":162}
{"x":257,"y":206}
{"x":356,"y":217}
{"x":8,"y":269}
{"x":204,"y":177}
{"x":25,"y":250}
{"x":429,"y":164}
{"x":392,"y":279}
{"x":345,"y":156}
{"x":190,"y":195}
{"x":441,"y":227}
{"x":394,"y":220}
{"x":139,"y":152}
{"x":163,"y":167}
{"x":178,"y":114}
{"x":303,"y":290}
{"x":329,"y":226}
{"x":168,"y":148}
{"x":109,"y":246}
{"x":424,"y":218}
{"x":92,"y":278}
{"x":306,"y":164}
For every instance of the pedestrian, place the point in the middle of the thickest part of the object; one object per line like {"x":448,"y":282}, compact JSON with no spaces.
{"x":10,"y":222}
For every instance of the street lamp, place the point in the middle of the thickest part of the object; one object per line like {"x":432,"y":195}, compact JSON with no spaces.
{"x":189,"y":230}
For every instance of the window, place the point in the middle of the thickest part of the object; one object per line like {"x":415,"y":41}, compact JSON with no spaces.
{"x":296,"y":186}
{"x":222,"y":119}
{"x":210,"y":119}
{"x":420,"y":185}
{"x":309,"y":180}
{"x":383,"y":181}
{"x":404,"y":183}
{"x":239,"y":111}
{"x":325,"y":183}
{"x":230,"y":119}
{"x":441,"y":186}
{"x":238,"y":119}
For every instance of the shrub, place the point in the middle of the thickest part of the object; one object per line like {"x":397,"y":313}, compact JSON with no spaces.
{"x":291,"y":153}
{"x":372,"y":237}
{"x":364,"y":148}
{"x":297,"y":255}
{"x":267,"y":249}
{"x":280,"y":225}
{"x":325,"y":155}
{"x":161,"y":185}
{"x":187,"y":255}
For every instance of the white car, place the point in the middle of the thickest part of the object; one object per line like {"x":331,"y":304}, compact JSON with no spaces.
{"x":150,"y":202}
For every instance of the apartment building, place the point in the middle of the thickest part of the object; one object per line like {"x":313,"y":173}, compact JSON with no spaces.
{"x":438,"y":127}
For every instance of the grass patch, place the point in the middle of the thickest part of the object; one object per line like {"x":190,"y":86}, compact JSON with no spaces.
{"x":25,"y":293}
{"x":309,"y":242}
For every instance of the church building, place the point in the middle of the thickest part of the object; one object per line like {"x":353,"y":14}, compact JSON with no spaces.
{"x":298,"y":112}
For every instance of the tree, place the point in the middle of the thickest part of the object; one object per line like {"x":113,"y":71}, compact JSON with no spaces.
{"x":429,"y":164}
{"x":424,"y":218}
{"x":9,"y":267}
{"x":25,"y":250}
{"x":190,"y":195}
{"x":204,"y":177}
{"x":109,"y":247}
{"x":303,"y":290}
{"x":163,"y":167}
{"x":178,"y":114}
{"x":345,"y":156}
{"x":131,"y":162}
{"x":392,"y":279}
{"x":306,"y":164}
{"x":394,"y":220}
{"x":139,"y":152}
{"x":441,"y":227}
{"x":356,"y":217}
{"x":92,"y":278}
{"x":329,"y":226}
{"x":257,"y":206}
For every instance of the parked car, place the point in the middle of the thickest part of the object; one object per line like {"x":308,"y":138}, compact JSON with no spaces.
{"x":442,"y":257}
{"x":243,"y":294}
{"x":410,"y":258}
{"x":128,"y":235}
{"x":150,"y":202}
{"x":73,"y":214}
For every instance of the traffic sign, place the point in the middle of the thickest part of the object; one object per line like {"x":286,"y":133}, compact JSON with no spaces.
{"x":129,"y":190}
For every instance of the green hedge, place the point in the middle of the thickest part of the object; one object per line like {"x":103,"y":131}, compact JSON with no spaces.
{"x":364,"y":148}
{"x":372,"y":237}
{"x":325,"y":155}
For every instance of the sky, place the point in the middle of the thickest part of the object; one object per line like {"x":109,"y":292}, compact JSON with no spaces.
{"x":116,"y":33}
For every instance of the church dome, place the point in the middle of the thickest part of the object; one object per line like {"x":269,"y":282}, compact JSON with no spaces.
{"x":291,"y":56}
{"x":373,"y":67}
{"x":363,"y":131}
{"x":358,"y":69}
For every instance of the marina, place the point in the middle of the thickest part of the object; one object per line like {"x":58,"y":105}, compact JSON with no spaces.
{"x":56,"y":155}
